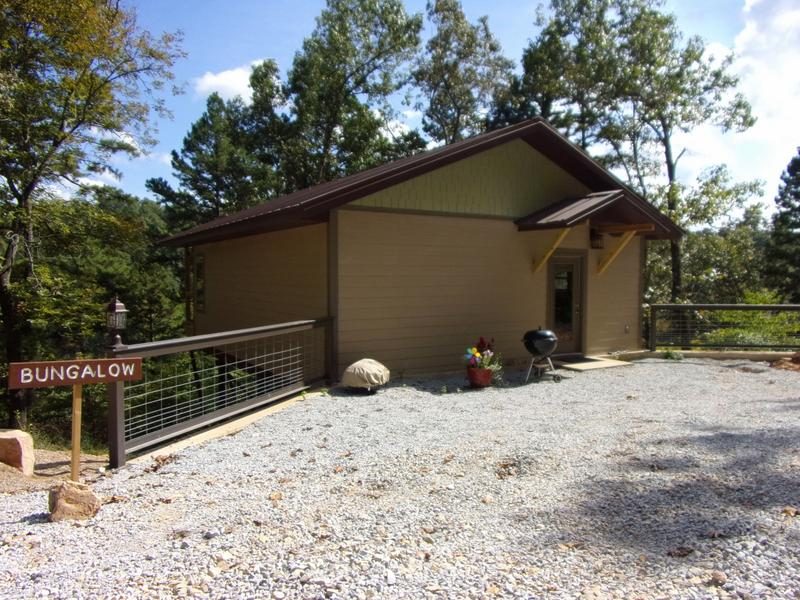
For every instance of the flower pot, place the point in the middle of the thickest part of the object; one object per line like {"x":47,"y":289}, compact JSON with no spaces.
{"x":479,"y":378}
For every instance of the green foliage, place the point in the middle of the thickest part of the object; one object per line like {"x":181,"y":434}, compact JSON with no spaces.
{"x":725,"y":265}
{"x":80,"y":81}
{"x":618,"y":75}
{"x":783,"y":250}
{"x":672,"y":355}
{"x":81,"y":77}
{"x":462,"y":69}
{"x":216,"y":171}
{"x":339,"y":86}
{"x":539,"y":91}
{"x":88,"y":249}
{"x":719,"y":264}
{"x":755,"y":328}
{"x":330,"y":118}
{"x":669,"y":87}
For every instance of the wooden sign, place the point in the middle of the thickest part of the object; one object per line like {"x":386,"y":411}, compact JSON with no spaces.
{"x":75,"y":373}
{"x":71,"y":372}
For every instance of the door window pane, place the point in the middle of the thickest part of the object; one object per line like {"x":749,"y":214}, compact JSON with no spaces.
{"x":562,"y":302}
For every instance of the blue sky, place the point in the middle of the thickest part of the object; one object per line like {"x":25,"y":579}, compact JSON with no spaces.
{"x":223,"y":39}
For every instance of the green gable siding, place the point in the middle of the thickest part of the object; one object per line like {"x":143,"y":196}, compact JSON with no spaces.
{"x":511,"y":180}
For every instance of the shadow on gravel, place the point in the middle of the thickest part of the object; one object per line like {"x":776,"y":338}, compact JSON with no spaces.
{"x":783,"y":405}
{"x":36,"y":518}
{"x":691,"y":490}
{"x":452,"y":384}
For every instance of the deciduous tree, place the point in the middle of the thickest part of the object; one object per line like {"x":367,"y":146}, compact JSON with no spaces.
{"x":339,"y":87}
{"x":669,"y":87}
{"x":626,"y":86}
{"x":459,"y":73}
{"x":80,"y":81}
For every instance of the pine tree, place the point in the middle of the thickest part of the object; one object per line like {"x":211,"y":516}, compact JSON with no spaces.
{"x":215,"y":171}
{"x":461,"y":70}
{"x":783,"y":250}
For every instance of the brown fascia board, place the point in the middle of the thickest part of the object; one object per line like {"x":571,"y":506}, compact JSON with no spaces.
{"x":315,"y":202}
{"x":614,"y":196}
{"x":312,"y":205}
{"x":241,"y":229}
{"x":587,"y":170}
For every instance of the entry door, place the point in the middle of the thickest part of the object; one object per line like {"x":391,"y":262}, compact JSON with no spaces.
{"x":565,"y":297}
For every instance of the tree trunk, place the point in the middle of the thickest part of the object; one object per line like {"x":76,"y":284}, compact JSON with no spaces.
{"x":17,"y":401}
{"x":676,"y":288}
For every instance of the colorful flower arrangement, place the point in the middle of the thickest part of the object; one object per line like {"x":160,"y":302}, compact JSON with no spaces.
{"x":483,"y":356}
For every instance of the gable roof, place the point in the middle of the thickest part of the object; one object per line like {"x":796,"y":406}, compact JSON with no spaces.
{"x":613,"y":205}
{"x":312,"y":205}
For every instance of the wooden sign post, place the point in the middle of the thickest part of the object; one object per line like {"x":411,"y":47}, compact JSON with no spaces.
{"x":74,"y":373}
{"x":77,"y":401}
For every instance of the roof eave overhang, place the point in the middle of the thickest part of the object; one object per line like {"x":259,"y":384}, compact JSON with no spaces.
{"x":255,"y":226}
{"x":664,"y":228}
{"x":309,"y":209}
{"x":318,"y":207}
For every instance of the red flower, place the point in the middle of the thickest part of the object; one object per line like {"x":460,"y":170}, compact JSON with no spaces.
{"x":483,"y":345}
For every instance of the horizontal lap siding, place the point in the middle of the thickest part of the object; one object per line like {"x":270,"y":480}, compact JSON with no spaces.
{"x":263,"y":279}
{"x":511,"y":180}
{"x":614,"y":300}
{"x":416,"y":290}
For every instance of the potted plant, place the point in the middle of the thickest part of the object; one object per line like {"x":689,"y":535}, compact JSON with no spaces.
{"x":484,"y":365}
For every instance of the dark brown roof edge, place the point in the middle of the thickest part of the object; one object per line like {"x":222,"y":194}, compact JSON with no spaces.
{"x":543,"y":218}
{"x":310,"y":202}
{"x":598,"y":172}
{"x":311,"y":205}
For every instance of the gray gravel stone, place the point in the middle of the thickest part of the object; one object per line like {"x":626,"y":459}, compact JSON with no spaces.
{"x":640,"y":481}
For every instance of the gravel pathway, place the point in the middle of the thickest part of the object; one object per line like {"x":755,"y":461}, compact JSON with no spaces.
{"x":659,"y":480}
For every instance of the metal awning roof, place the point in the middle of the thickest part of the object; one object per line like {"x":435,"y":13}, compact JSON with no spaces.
{"x":607,"y":207}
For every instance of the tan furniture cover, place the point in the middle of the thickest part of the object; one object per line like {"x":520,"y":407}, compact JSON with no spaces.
{"x":365,"y":373}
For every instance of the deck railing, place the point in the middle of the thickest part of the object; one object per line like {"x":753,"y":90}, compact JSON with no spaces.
{"x":725,"y":326}
{"x":192,"y":382}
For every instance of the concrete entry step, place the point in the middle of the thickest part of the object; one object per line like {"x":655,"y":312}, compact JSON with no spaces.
{"x":588,"y":363}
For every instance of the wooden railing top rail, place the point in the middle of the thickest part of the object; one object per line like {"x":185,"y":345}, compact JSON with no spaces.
{"x":790,"y":307}
{"x":197,"y":342}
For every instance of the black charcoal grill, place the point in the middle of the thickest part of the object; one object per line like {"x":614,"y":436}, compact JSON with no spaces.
{"x":541,"y":343}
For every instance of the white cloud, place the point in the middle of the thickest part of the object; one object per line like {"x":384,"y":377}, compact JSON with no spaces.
{"x":749,"y":4}
{"x":228,"y":84}
{"x":165,"y":158}
{"x":766,"y":51}
{"x":99,"y":179}
{"x":395,"y":129}
{"x":433,"y":144}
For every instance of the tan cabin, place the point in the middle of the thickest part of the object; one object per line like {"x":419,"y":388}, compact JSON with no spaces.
{"x":414,"y":260}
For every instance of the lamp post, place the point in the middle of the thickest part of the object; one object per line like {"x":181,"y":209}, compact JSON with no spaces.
{"x":116,"y":319}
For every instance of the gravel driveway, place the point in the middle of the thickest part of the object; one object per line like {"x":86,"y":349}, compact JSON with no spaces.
{"x":660,"y":480}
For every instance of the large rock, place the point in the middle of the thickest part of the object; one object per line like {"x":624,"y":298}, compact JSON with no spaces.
{"x":72,"y":500}
{"x":16,"y":450}
{"x":365,"y":374}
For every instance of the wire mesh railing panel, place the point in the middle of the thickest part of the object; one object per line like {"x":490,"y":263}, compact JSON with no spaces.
{"x":725,"y":326}
{"x":186,"y":389}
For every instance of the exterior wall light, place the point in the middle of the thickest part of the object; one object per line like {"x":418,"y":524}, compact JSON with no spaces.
{"x":116,"y":320}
